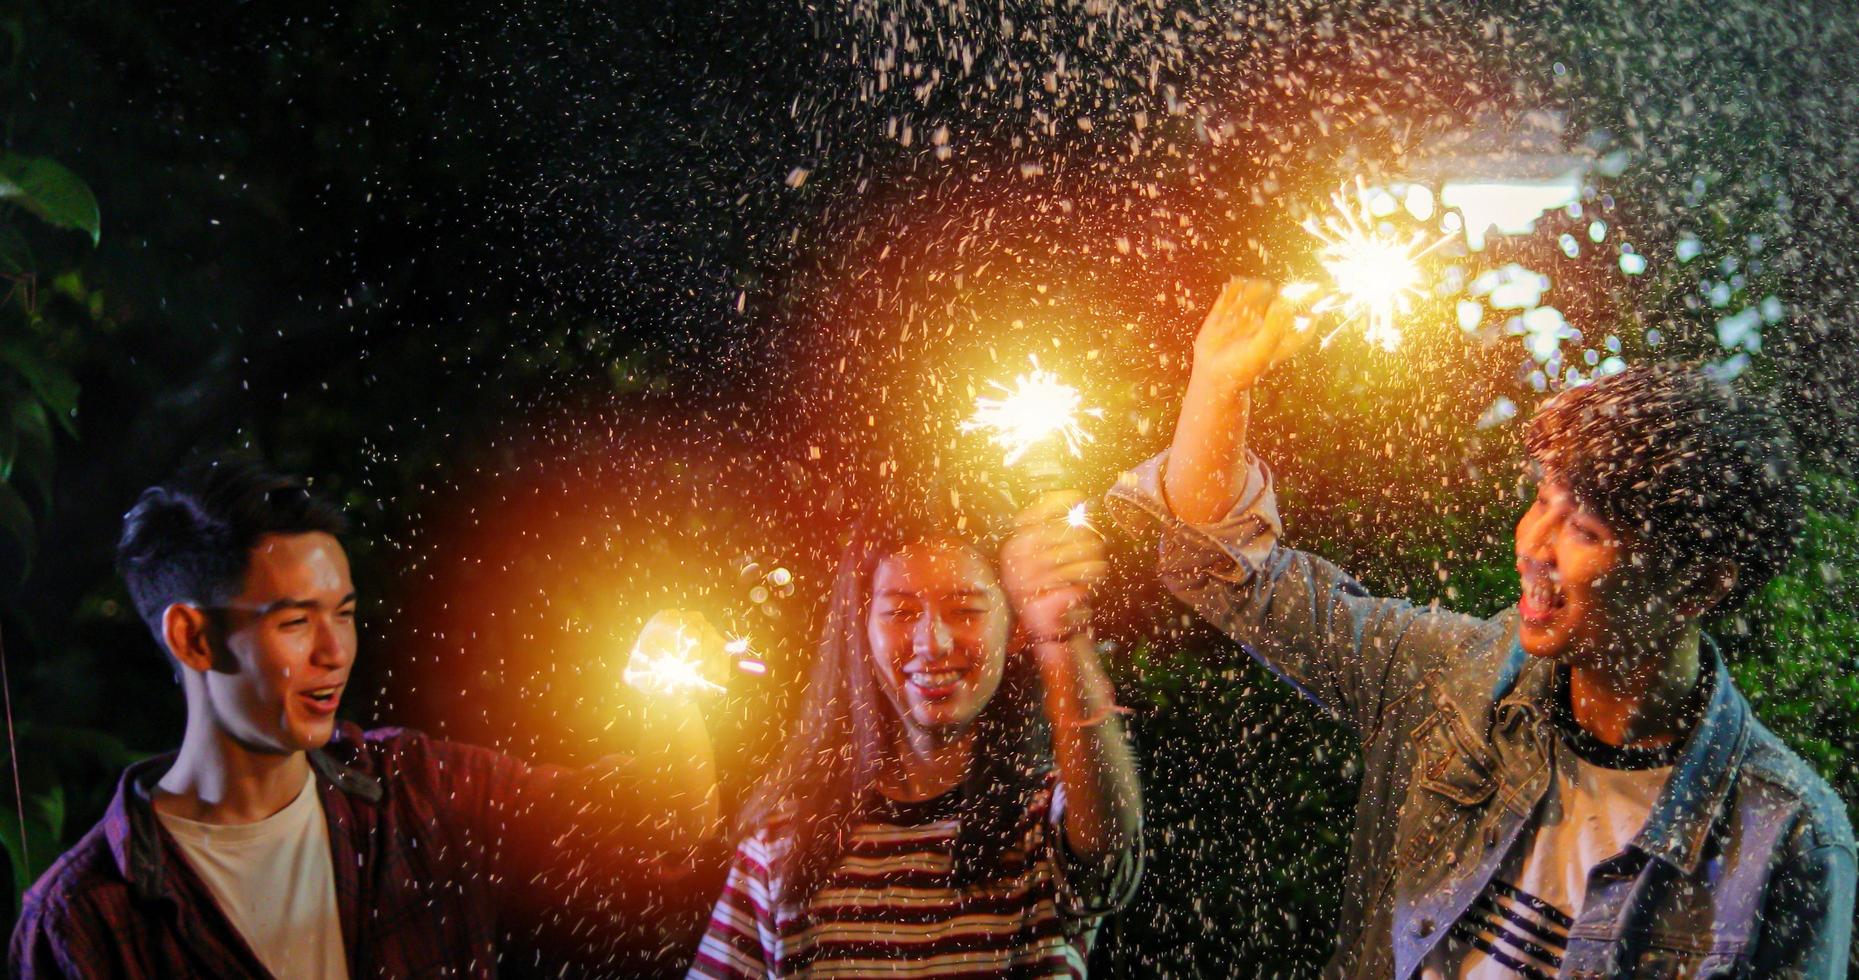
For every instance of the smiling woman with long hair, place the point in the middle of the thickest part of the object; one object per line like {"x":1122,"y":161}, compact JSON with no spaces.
{"x":957,"y":796}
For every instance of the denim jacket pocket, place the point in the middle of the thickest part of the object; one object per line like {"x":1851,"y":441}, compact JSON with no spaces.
{"x":1447,"y":760}
{"x":1665,"y":963}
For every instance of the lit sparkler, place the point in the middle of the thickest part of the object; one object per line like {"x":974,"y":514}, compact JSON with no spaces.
{"x":1039,"y":407}
{"x":679,"y":654}
{"x":1374,"y":274}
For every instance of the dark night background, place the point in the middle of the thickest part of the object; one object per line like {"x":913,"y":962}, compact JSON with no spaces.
{"x":582,"y":308}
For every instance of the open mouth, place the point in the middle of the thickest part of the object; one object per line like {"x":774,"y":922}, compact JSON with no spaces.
{"x":324,"y":700}
{"x":936,"y":685}
{"x":1542,"y":599}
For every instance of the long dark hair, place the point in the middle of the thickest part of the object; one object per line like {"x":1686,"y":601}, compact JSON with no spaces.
{"x":845,"y":726}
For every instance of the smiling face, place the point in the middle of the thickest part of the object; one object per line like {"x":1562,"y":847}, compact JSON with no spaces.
{"x":937,"y":630}
{"x":288,"y":639}
{"x":1585,"y":602}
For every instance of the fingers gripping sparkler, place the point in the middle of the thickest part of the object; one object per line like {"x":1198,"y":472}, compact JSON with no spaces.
{"x":679,"y":654}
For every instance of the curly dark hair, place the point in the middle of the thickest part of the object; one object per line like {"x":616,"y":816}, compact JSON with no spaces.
{"x":1690,"y":469}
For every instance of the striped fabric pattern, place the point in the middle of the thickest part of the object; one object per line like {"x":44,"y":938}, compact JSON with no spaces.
{"x":891,"y":907}
{"x":1518,"y":931}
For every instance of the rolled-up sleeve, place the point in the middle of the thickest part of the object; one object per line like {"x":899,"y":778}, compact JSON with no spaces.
{"x":1090,"y":887}
{"x":1301,"y":616}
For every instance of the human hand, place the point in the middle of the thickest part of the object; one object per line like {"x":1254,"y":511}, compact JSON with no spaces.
{"x":1049,"y":566}
{"x":1252,"y":327}
{"x":679,"y":655}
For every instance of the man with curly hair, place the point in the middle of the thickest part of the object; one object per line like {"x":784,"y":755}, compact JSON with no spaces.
{"x":1573,"y":787}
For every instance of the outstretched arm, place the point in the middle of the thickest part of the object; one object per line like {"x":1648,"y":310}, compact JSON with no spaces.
{"x":1304,"y":618}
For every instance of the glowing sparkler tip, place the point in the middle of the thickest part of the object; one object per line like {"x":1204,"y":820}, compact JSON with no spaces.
{"x":1375,"y":274}
{"x":1038,"y":407}
{"x":678,"y":654}
{"x":1077,"y":517}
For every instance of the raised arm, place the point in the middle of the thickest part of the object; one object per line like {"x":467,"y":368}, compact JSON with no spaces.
{"x":1048,"y":568}
{"x":1306,"y":619}
{"x":1250,"y":329}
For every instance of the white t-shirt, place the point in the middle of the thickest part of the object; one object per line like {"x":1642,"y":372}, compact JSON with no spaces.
{"x":1597,"y":803}
{"x":274,"y":881}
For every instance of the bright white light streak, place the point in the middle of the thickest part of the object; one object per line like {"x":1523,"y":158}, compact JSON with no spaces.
{"x":1039,"y":407}
{"x":1374,"y":275}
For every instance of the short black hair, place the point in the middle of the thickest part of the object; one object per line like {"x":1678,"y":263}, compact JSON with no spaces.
{"x":190,"y":538}
{"x":1694,"y":470}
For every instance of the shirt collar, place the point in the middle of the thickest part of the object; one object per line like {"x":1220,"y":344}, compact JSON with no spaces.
{"x":1703,"y":770}
{"x":134,"y":833}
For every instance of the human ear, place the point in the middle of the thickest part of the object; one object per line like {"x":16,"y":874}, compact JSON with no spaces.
{"x":1708,"y":590}
{"x":185,"y":631}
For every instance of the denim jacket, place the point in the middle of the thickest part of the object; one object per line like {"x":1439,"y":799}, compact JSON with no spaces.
{"x":1745,"y":867}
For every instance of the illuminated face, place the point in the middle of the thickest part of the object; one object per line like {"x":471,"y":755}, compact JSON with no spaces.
{"x":289,"y":640}
{"x":1584,"y":601}
{"x":937,"y":630}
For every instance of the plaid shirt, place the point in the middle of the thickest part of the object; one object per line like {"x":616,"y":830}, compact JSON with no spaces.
{"x":449,"y":860}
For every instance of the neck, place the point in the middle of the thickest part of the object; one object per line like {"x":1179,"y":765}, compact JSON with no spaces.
{"x":1642,"y":700}
{"x":928,"y":763}
{"x":216,"y":779}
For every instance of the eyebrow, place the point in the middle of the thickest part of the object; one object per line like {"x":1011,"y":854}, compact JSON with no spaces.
{"x":288,"y":603}
{"x":962,"y":594}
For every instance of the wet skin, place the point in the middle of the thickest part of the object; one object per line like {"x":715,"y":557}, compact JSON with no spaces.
{"x":937,"y":630}
{"x":1588,"y":601}
{"x":287,"y":641}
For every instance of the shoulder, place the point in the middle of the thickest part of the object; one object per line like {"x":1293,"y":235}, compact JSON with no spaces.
{"x":399,"y":753}
{"x":82,"y":893}
{"x":1773,"y":776}
{"x":759,"y":849}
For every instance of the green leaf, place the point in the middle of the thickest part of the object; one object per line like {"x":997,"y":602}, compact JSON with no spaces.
{"x":17,"y":527}
{"x":33,"y":465}
{"x":45,"y":188}
{"x":9,"y":433}
{"x":38,"y":840}
{"x":15,"y":255}
{"x":53,"y":384}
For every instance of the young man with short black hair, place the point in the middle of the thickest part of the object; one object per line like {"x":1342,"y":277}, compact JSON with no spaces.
{"x":1573,"y":787}
{"x":279,"y":842}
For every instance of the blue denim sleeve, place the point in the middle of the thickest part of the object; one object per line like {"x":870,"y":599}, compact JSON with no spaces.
{"x":1807,"y":916}
{"x":1302,"y":617}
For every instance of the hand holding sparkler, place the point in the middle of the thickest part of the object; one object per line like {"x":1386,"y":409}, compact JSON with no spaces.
{"x":1049,"y":566}
{"x":1252,"y":327}
{"x":679,"y":655}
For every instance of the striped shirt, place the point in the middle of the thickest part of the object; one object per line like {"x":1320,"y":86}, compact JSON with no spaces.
{"x":891,"y":907}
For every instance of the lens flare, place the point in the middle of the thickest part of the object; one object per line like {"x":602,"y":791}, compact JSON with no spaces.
{"x":1374,"y":273}
{"x":673,"y":656}
{"x":1039,"y":407}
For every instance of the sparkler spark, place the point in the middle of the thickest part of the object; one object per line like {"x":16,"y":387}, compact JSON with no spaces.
{"x":674,"y":656}
{"x":1077,"y":517}
{"x":1038,"y":407}
{"x":1375,"y":274}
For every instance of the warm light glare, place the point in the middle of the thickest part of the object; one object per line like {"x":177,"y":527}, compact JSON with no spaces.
{"x":668,"y":658}
{"x":1374,"y":274}
{"x":1077,"y":517}
{"x":1037,"y":408}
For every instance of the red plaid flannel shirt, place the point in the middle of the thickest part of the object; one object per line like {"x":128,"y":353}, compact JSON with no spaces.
{"x":449,"y":860}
